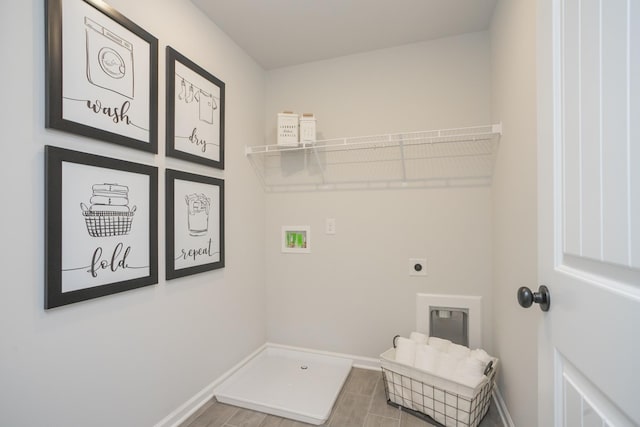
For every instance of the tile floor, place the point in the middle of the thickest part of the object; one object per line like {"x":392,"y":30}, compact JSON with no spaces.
{"x":361,"y":403}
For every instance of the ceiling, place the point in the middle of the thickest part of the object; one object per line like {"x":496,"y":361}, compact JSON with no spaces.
{"x":281,"y":33}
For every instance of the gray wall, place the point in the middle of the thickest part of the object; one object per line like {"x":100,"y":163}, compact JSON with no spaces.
{"x":513,"y":57}
{"x":352,"y":294}
{"x":128,"y":359}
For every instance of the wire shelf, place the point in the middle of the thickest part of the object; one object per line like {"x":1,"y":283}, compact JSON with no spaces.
{"x":448,"y":157}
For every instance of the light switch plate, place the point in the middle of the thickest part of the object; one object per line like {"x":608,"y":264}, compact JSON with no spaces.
{"x":417,"y":266}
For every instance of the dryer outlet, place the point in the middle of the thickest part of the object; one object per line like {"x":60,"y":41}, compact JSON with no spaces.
{"x":417,"y":266}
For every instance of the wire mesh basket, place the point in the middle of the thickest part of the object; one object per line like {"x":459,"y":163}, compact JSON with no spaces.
{"x":107,"y":224}
{"x":436,"y":399}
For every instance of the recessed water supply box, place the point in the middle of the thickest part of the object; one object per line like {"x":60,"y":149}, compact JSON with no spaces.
{"x":450,"y":323}
{"x":288,"y":128}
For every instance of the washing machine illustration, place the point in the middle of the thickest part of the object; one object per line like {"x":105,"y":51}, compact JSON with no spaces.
{"x":109,"y":59}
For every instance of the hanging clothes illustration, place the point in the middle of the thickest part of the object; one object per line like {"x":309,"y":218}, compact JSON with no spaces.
{"x":207,"y":106}
{"x":189,"y":98}
{"x":183,"y":90}
{"x":206,"y":100}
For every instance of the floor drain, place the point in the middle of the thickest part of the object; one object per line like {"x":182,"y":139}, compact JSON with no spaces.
{"x":303,"y":367}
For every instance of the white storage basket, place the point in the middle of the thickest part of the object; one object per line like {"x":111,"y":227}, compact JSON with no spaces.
{"x":307,"y":128}
{"x":447,"y":402}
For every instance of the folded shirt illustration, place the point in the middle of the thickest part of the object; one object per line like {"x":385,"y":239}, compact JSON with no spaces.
{"x":114,"y":189}
{"x":110,"y":201}
{"x":109,"y":198}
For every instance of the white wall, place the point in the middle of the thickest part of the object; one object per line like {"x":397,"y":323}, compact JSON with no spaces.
{"x":352,"y":294}
{"x":128,"y":359}
{"x":430,"y":85}
{"x":132,"y":358}
{"x":513,"y":34}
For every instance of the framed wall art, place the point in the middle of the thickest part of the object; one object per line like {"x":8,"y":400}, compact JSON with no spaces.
{"x":101,"y":226}
{"x":195,"y":223}
{"x":101,"y":74}
{"x":195,"y":112}
{"x":296,"y":239}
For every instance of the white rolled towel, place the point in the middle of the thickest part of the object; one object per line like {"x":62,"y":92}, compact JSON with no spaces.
{"x":440,"y":343}
{"x":427,"y":358}
{"x":458,"y":351}
{"x":447,"y":366}
{"x":470,"y":372}
{"x":405,"y":351}
{"x":471,"y":382}
{"x":418,"y":337}
{"x":481,"y":355}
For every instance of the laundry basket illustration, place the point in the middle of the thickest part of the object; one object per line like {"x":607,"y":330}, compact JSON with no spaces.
{"x":106,"y":223}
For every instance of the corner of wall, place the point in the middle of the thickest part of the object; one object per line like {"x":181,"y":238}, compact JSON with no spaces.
{"x":514,"y":202}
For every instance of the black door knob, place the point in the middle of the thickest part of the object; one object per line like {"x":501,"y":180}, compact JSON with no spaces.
{"x":526,"y":298}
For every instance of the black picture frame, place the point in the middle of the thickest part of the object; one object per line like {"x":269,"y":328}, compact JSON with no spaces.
{"x":194,"y":224}
{"x":101,"y":226}
{"x":101,"y":77}
{"x":194,"y":132}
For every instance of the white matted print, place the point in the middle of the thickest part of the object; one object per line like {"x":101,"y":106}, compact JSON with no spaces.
{"x":101,"y":226}
{"x":102,"y":76}
{"x":195,"y":112}
{"x":195,"y":223}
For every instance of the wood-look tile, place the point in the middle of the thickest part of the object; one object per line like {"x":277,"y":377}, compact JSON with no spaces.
{"x":246,"y":418}
{"x":379,"y":405}
{"x":492,"y":419}
{"x":215,"y":416}
{"x":408,"y":420}
{"x":362,"y":381}
{"x":351,"y":410}
{"x":196,"y":414}
{"x":273,"y":421}
{"x":361,"y":402}
{"x":378,"y":421}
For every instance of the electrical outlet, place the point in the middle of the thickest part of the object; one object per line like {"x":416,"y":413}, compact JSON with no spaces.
{"x":330,"y":226}
{"x":417,"y":266}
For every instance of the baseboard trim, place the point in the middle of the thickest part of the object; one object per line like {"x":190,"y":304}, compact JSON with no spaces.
{"x":502,"y":408}
{"x":188,"y":408}
{"x":358,"y":361}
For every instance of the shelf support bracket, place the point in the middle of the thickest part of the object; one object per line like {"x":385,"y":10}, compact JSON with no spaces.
{"x":402,"y":159}
{"x":315,"y":155}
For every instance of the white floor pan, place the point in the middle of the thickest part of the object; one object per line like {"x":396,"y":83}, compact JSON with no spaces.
{"x":288,"y":383}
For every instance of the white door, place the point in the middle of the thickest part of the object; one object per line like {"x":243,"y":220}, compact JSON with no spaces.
{"x":589,"y":211}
